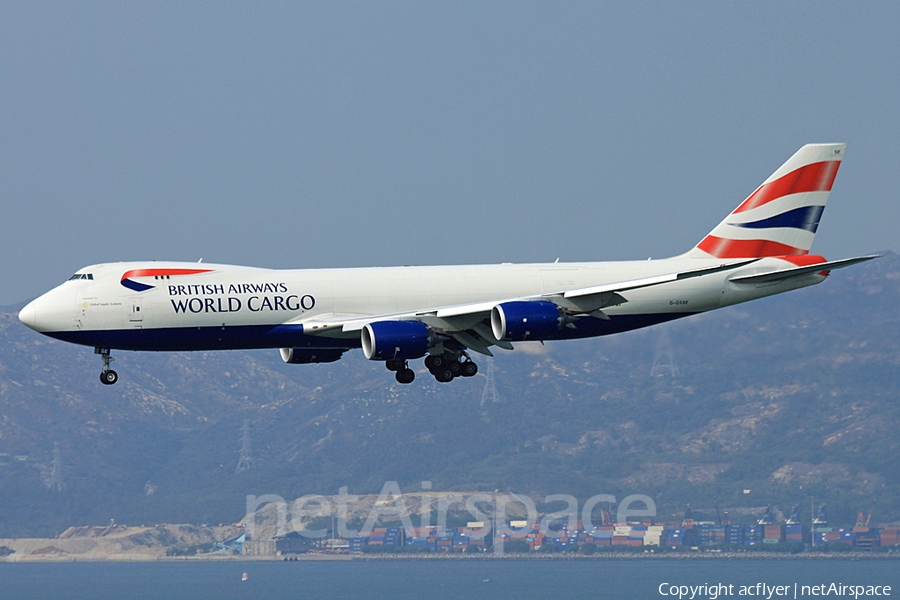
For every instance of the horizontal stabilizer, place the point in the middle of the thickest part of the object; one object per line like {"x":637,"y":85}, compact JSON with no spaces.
{"x":781,"y":275}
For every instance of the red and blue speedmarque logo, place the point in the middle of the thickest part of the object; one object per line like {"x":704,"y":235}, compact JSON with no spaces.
{"x":128,"y":282}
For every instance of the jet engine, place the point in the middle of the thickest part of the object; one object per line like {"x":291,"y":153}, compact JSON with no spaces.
{"x":392,"y":340}
{"x":305,"y":356}
{"x":522,"y":320}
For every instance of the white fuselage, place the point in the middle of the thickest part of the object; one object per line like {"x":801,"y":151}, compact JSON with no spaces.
{"x":238,"y":307}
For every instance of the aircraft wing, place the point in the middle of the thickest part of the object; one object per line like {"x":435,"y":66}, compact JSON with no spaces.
{"x":466,"y":322}
{"x":608,"y":294}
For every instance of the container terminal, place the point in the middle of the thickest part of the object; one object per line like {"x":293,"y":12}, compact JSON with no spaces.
{"x":566,"y":539}
{"x":575,"y":537}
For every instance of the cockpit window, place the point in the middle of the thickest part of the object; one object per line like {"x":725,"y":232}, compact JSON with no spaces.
{"x":82,"y":276}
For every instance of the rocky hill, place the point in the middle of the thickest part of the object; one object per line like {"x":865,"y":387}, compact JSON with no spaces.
{"x":774,"y":402}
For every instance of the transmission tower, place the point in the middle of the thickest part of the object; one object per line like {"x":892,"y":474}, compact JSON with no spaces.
{"x":490,"y":386}
{"x":55,"y":478}
{"x":663,"y":358}
{"x":246,"y":461}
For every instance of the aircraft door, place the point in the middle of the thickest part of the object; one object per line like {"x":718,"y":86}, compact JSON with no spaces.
{"x":135,"y":312}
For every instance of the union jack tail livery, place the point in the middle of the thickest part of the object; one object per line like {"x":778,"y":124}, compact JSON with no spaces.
{"x":781,"y":217}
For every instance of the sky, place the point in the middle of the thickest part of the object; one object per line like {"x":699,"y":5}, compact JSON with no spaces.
{"x":330,"y":134}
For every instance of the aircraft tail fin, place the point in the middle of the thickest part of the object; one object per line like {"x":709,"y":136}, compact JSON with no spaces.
{"x":780,"y":218}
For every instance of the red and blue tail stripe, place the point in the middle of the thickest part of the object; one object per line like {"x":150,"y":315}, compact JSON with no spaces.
{"x":137,"y":286}
{"x":806,"y":218}
{"x":817,"y":177}
{"x":782,"y":216}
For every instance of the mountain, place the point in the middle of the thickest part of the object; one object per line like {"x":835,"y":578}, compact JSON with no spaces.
{"x":792,"y":399}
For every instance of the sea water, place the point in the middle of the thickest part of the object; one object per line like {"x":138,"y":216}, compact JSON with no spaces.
{"x":439,"y":579}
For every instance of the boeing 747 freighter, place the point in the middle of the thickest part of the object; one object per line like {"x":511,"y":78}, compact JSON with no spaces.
{"x":446,"y":313}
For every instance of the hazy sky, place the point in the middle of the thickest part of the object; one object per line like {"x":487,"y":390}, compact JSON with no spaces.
{"x":379,"y":133}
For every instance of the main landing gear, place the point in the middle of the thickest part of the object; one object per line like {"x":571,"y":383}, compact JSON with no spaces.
{"x":403,"y":373}
{"x":445,"y":367}
{"x":107,"y":375}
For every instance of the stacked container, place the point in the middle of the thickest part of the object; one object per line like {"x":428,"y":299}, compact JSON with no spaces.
{"x":358,"y":544}
{"x":653,"y":535}
{"x":675,"y":538}
{"x":601,"y":536}
{"x":823,"y":535}
{"x":890,"y":536}
{"x":734,"y":534}
{"x":444,"y":540}
{"x":620,"y":535}
{"x":711,"y":534}
{"x":753,"y":535}
{"x":635,"y":537}
{"x":773,"y":534}
{"x":393,"y":536}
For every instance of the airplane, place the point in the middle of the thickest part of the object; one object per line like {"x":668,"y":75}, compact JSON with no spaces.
{"x":446,"y":313}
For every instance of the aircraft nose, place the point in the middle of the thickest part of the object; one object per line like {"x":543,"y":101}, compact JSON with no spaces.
{"x":28,"y":315}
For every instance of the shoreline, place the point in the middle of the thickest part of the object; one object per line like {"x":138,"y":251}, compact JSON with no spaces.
{"x":487,"y":556}
{"x":637,"y":556}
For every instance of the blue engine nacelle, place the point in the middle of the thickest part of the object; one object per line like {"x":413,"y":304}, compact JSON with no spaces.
{"x":521,"y":321}
{"x":305,"y":356}
{"x":391,"y":340}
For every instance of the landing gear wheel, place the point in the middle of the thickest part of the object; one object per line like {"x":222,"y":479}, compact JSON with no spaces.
{"x":405,"y":376}
{"x":395,"y":365}
{"x":455,"y":367}
{"x":469,"y":369}
{"x":443,"y":375}
{"x":107,"y":375}
{"x":438,"y":362}
{"x":429,"y":362}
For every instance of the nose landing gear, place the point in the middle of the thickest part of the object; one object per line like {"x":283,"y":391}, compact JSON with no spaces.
{"x":107,"y":375}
